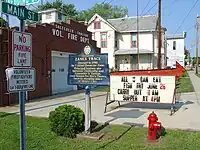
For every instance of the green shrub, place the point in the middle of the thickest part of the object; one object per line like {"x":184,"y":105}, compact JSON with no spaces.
{"x":67,"y":121}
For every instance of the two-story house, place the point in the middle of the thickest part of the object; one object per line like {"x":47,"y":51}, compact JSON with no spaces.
{"x":118,"y":38}
{"x":176,"y":49}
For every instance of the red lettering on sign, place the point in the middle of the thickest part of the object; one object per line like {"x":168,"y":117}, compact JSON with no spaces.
{"x":22,"y":48}
{"x":162,"y":87}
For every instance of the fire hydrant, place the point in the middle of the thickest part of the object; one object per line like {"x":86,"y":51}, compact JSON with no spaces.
{"x":154,"y":128}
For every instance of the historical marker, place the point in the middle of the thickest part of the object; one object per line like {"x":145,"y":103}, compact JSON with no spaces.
{"x":88,"y":68}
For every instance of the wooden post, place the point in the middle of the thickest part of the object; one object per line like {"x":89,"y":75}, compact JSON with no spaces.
{"x":138,"y":56}
{"x":159,"y":35}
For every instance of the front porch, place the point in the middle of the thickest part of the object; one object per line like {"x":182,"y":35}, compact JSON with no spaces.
{"x":126,"y":59}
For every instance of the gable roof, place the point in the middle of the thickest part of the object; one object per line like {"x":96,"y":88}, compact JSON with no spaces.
{"x":129,"y":24}
{"x":104,"y":20}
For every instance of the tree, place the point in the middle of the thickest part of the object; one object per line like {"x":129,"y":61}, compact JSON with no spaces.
{"x":3,"y":23}
{"x":105,"y":10}
{"x":68,"y":9}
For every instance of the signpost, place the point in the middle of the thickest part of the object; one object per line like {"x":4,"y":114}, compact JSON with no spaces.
{"x":21,"y":78}
{"x":22,"y":2}
{"x":22,"y":49}
{"x":88,"y":68}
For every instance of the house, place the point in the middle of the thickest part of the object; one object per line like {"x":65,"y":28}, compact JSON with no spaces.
{"x":118,"y":38}
{"x":176,"y":49}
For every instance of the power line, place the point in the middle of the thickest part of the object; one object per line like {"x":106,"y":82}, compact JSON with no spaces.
{"x":150,"y":8}
{"x":145,"y":7}
{"x":170,"y":4}
{"x":186,"y":16}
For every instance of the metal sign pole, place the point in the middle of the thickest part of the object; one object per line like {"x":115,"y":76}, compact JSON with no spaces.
{"x":87,"y":110}
{"x":22,"y":109}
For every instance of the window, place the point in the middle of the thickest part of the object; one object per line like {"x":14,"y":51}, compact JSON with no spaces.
{"x":133,"y":41}
{"x":174,"y":45}
{"x":61,"y":69}
{"x":116,"y":41}
{"x":48,"y":15}
{"x":97,"y":25}
{"x":103,"y":40}
{"x":59,"y":16}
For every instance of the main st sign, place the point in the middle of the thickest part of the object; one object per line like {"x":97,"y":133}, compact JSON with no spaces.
{"x":19,"y":11}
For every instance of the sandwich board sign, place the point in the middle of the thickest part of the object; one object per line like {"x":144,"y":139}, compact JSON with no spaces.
{"x":149,"y":89}
{"x":22,"y":49}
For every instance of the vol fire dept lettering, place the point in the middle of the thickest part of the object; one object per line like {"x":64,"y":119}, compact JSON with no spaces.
{"x":71,"y":35}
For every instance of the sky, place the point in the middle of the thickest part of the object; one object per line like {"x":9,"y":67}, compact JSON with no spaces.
{"x":175,"y":14}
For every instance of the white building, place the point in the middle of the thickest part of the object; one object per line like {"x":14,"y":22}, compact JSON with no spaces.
{"x":51,"y":15}
{"x":118,"y":38}
{"x":176,"y":49}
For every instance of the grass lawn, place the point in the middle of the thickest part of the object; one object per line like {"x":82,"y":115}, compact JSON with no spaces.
{"x":198,"y":75}
{"x":39,"y":137}
{"x":184,"y":85}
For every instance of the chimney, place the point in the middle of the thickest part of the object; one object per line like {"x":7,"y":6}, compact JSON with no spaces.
{"x":184,"y":34}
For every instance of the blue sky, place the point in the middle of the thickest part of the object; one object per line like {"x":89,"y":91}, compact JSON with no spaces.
{"x":173,"y":13}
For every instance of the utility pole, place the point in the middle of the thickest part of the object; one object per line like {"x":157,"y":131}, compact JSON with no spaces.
{"x":197,"y":44}
{"x":159,"y":35}
{"x":138,"y":56}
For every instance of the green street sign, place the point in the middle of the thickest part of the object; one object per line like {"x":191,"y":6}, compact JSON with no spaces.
{"x":19,"y":11}
{"x":22,"y":2}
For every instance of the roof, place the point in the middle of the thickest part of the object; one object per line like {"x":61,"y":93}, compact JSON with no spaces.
{"x":49,"y":10}
{"x":129,"y":24}
{"x":104,"y":20}
{"x":177,"y":36}
{"x":132,"y":51}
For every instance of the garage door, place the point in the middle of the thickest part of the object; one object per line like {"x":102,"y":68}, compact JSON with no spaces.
{"x":59,"y":75}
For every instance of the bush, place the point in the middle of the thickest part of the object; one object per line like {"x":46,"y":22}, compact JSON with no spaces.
{"x":67,"y":121}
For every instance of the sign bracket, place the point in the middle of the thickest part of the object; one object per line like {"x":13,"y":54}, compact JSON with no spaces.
{"x":108,"y":101}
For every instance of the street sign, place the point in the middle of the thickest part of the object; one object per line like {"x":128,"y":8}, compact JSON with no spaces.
{"x":22,"y":2}
{"x":19,"y":11}
{"x":20,"y":79}
{"x":21,"y":49}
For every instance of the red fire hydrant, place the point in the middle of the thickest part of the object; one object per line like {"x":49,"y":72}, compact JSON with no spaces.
{"x":154,"y":128}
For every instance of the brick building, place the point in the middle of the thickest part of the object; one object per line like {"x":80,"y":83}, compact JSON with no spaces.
{"x":51,"y":46}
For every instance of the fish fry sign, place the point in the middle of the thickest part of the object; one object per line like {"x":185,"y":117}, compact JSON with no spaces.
{"x":22,"y":49}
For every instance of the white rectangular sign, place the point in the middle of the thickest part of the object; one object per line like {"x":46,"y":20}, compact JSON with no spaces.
{"x":20,"y":79}
{"x":21,"y":49}
{"x":150,"y":89}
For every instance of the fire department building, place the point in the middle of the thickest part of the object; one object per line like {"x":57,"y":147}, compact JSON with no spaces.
{"x":51,"y":46}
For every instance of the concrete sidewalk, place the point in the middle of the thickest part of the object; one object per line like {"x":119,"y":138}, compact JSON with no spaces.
{"x":128,"y":113}
{"x":195,"y":81}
